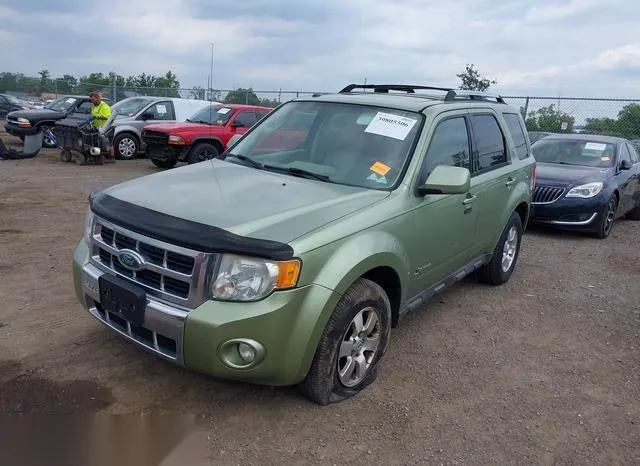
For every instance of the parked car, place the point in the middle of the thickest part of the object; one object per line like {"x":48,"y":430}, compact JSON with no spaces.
{"x":21,"y":123}
{"x":9,"y":103}
{"x":585,"y":182}
{"x":129,"y":116}
{"x":203,"y":136}
{"x":290,"y":265}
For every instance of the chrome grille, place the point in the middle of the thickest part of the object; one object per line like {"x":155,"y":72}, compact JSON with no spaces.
{"x":546,"y":194}
{"x":170,"y":273}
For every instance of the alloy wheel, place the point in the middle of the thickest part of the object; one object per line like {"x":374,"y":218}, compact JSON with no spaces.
{"x":358,"y":347}
{"x":510,"y":248}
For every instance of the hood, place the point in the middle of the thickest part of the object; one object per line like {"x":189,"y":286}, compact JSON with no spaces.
{"x":37,"y":114}
{"x":244,"y":200}
{"x":564,"y":175}
{"x":183,"y":127}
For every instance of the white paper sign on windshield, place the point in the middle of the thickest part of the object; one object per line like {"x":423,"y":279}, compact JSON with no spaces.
{"x":161,"y":108}
{"x":390,"y":125}
{"x":595,"y":146}
{"x":70,"y":100}
{"x":224,"y":111}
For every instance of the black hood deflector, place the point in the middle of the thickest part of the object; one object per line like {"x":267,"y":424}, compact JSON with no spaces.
{"x":184,"y":233}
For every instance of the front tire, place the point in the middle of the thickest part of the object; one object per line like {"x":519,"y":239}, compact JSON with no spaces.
{"x":125,"y":146}
{"x":46,"y":137}
{"x":164,"y":163}
{"x":201,"y":152}
{"x":352,"y":344}
{"x":607,"y":217}
{"x":499,"y":270}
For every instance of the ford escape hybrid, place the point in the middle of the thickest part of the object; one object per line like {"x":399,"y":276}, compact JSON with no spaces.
{"x":288,"y":259}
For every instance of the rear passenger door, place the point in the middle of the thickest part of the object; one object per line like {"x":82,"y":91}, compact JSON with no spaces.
{"x":492,"y":176}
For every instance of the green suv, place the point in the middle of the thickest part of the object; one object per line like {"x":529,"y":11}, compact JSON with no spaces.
{"x":288,"y":259}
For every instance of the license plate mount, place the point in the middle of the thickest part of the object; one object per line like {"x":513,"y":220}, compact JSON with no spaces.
{"x":123,"y":299}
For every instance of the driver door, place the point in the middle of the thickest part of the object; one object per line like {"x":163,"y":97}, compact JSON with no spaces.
{"x":444,"y":224}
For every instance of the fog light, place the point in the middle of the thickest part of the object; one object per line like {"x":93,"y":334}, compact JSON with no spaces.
{"x":246,"y":352}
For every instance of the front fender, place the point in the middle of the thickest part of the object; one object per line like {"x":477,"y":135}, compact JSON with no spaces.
{"x":126,"y":129}
{"x":340,"y":264}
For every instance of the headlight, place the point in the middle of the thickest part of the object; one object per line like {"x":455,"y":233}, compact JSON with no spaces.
{"x":176,"y":140}
{"x":24,"y":122}
{"x":242,"y":278}
{"x":585,"y":191}
{"x":88,"y":225}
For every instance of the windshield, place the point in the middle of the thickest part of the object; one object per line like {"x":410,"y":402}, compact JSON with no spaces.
{"x":574,"y":152}
{"x":350,"y":144}
{"x":62,"y":104}
{"x":216,"y":115}
{"x":130,"y":106}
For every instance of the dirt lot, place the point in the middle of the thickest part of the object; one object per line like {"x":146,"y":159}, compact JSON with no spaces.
{"x":544,"y":370}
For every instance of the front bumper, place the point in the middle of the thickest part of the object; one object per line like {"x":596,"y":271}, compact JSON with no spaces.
{"x":284,"y":328}
{"x":579,"y":214}
{"x":18,"y":131}
{"x":165,"y":152}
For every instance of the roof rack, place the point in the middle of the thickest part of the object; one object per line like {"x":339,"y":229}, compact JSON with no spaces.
{"x":385,"y":88}
{"x":452,"y":94}
{"x":472,"y":95}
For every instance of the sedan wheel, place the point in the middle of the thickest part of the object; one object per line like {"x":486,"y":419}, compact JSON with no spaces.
{"x":607,"y":218}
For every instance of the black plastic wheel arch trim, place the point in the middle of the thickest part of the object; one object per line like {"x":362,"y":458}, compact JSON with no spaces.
{"x":182,"y":232}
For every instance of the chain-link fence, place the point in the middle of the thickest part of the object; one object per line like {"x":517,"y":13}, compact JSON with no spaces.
{"x":612,"y":117}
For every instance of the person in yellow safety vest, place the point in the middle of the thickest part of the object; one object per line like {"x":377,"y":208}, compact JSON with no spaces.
{"x":100,"y":112}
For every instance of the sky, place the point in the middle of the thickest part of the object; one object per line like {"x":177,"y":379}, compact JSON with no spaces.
{"x":547,"y":48}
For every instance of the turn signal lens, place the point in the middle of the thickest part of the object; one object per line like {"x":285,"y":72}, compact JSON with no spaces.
{"x":288,"y":273}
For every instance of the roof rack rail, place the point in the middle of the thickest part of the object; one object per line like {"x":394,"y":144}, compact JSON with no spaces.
{"x":472,"y":95}
{"x":385,"y":88}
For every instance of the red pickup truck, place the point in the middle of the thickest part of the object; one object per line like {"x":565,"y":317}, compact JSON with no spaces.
{"x":203,"y":136}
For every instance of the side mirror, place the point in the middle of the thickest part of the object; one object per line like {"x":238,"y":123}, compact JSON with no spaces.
{"x":625,"y":165}
{"x":445,"y":179}
{"x":147,"y":116}
{"x":237,"y":124}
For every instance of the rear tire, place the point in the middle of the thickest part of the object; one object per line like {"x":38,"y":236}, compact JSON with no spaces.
{"x":164,"y":163}
{"x":201,"y":152}
{"x":634,"y":214}
{"x":498,"y":271}
{"x":352,"y":344}
{"x":65,"y":155}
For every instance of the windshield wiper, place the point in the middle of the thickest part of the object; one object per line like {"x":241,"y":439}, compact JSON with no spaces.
{"x":244,"y":158}
{"x":298,"y":171}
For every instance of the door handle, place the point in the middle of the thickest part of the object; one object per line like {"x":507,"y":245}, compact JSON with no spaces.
{"x":469,"y":199}
{"x":510,"y":182}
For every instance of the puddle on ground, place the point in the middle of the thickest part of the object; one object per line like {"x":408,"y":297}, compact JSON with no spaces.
{"x":23,"y":392}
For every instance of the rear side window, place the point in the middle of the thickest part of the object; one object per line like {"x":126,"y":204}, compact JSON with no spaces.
{"x":517,"y":133}
{"x":489,"y":142}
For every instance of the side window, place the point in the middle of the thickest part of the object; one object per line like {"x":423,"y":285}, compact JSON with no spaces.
{"x":85,"y":107}
{"x":635,"y":158}
{"x":624,"y":153}
{"x":517,"y":133}
{"x":261,"y":114}
{"x":247,"y":118}
{"x":449,"y":145}
{"x":489,"y":142}
{"x":162,"y":111}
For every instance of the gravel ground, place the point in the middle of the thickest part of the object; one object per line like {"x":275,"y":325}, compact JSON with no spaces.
{"x":543,"y":370}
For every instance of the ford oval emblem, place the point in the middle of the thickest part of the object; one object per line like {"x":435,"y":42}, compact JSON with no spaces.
{"x":131,"y":260}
